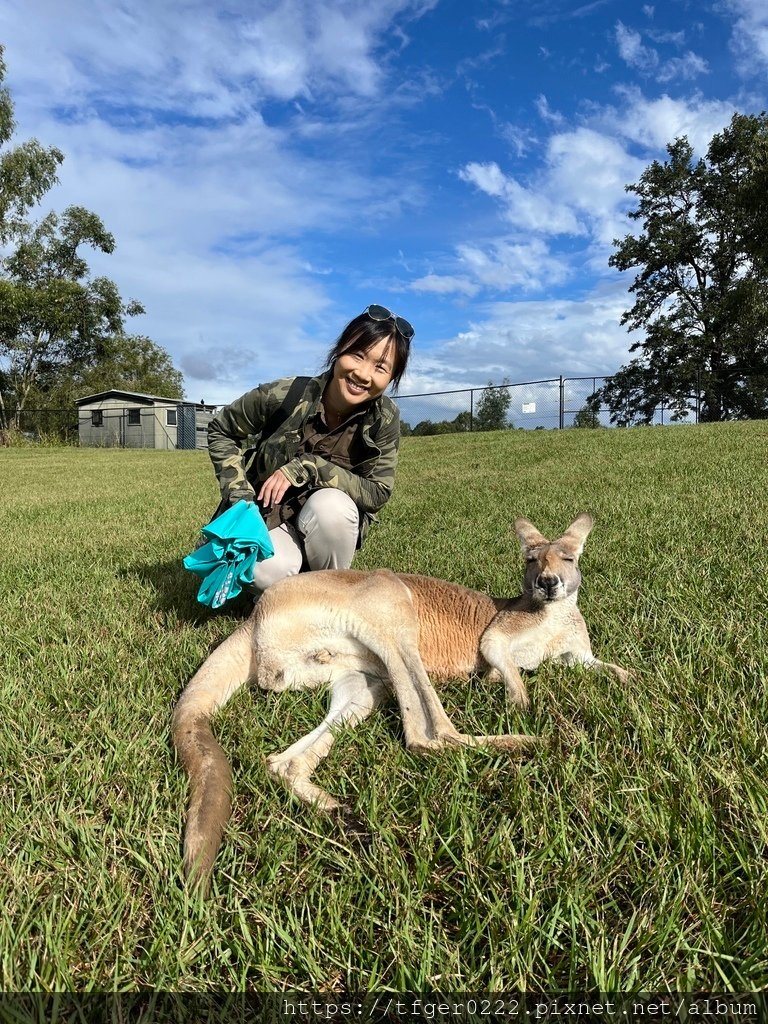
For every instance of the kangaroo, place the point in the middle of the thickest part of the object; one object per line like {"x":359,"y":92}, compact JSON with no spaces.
{"x":362,"y":634}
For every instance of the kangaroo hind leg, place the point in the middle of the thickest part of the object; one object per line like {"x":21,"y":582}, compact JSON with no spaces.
{"x":354,"y":696}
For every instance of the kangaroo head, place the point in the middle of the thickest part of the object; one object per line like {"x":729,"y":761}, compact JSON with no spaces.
{"x":552,"y":567}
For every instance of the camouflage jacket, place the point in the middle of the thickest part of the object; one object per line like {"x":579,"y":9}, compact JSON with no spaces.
{"x":371,"y":482}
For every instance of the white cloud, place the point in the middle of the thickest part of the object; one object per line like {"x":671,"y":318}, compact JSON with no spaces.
{"x":632,"y":51}
{"x":749,"y":40}
{"x":689,"y":66}
{"x":530,"y":340}
{"x":525,"y":208}
{"x":546,"y":113}
{"x":520,"y":138}
{"x":588,"y":170}
{"x":579,"y":192}
{"x":506,"y":264}
{"x":655,"y":122}
{"x":647,"y":61}
{"x":159,"y":112}
{"x":444,"y":284}
{"x":210,"y":62}
{"x":499,"y":265}
{"x":677,"y":38}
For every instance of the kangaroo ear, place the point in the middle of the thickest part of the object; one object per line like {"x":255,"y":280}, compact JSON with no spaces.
{"x":578,"y":531}
{"x":528,"y":535}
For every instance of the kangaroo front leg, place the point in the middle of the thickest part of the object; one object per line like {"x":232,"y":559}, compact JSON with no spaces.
{"x":622,"y":674}
{"x":500,"y":655}
{"x":427,"y":726}
{"x":585,"y":657}
{"x":353,"y":697}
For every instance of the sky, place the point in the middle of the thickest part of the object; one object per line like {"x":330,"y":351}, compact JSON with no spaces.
{"x":268,"y":169}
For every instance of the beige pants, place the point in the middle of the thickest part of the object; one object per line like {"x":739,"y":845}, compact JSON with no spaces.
{"x":324,"y":534}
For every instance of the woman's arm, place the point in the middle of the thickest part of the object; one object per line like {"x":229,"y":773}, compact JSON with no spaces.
{"x":246,"y":416}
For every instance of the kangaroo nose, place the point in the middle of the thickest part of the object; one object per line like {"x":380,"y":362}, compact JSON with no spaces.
{"x":548,"y":584}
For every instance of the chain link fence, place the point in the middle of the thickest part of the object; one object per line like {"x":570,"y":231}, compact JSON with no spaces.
{"x":551,"y":404}
{"x":41,"y":424}
{"x":166,"y":427}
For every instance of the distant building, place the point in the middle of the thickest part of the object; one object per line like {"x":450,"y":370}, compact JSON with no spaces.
{"x":126,"y":419}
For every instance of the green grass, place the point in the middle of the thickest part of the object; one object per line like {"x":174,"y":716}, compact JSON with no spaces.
{"x":629,"y":855}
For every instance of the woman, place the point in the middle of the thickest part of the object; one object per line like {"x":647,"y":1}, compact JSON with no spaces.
{"x":326,"y":450}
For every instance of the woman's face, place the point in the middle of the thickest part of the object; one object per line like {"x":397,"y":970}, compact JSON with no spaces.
{"x":361,"y":376}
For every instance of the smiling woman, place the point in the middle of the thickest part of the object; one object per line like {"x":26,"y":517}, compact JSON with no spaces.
{"x":324,"y":448}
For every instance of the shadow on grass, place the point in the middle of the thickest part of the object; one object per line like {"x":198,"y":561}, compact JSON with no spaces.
{"x":176,"y":589}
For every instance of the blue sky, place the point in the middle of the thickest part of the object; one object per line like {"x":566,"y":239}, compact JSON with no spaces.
{"x":270,"y":168}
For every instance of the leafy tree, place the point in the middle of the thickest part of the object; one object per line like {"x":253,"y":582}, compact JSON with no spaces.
{"x":587,"y":417}
{"x":405,"y":429}
{"x":130,"y":362}
{"x":27,"y":171}
{"x":755,"y":191}
{"x":458,"y":425}
{"x":701,"y":296}
{"x":493,"y":407}
{"x":426,"y":428}
{"x":52,"y":313}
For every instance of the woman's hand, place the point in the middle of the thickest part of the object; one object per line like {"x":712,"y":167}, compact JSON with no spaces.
{"x":273,"y":489}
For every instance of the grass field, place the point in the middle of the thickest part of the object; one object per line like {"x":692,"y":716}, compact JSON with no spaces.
{"x":630,"y":855}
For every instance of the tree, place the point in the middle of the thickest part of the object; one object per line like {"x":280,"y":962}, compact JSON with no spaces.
{"x":587,"y":418}
{"x":701,"y":295}
{"x":458,"y":425}
{"x":427,"y":428}
{"x":756,"y":189}
{"x":130,"y":362}
{"x":27,"y":171}
{"x":493,"y":407}
{"x":52,"y":313}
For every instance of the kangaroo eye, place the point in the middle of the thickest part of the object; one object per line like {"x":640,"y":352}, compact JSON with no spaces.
{"x":531,"y":558}
{"x":568,"y":558}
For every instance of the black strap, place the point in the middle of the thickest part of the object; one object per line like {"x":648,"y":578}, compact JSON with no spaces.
{"x":276,"y":420}
{"x":284,"y":410}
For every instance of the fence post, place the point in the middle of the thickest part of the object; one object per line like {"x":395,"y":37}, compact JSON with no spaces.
{"x":698,"y":393}
{"x":562,"y":402}
{"x":471,"y":409}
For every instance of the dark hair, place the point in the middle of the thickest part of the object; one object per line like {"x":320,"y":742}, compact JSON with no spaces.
{"x":362,"y":333}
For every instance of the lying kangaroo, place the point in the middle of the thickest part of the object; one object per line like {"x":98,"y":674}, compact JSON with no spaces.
{"x":363,"y":633}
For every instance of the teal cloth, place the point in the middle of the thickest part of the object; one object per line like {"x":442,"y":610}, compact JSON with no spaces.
{"x":237,"y":540}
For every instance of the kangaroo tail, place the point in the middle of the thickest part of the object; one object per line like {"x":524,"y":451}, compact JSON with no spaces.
{"x":210,"y":777}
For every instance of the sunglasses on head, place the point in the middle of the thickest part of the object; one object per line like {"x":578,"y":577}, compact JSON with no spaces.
{"x":382,"y":313}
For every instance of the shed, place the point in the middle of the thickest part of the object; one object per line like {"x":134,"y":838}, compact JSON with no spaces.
{"x":127,"y":419}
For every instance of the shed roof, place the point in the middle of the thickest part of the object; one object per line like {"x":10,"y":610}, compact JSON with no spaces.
{"x":135,"y":396}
